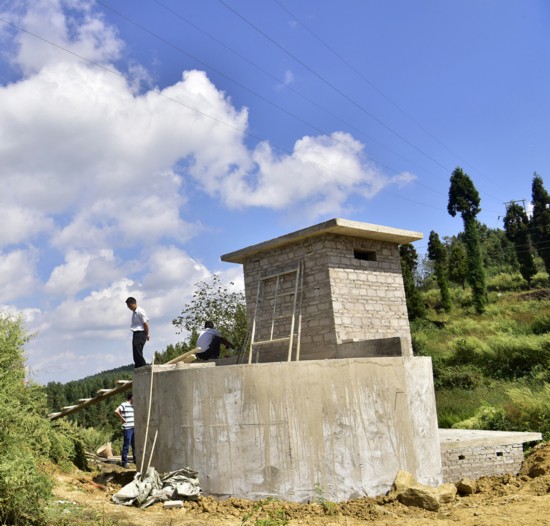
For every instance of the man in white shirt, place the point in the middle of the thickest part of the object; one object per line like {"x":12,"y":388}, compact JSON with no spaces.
{"x":209,"y":342}
{"x":140,"y":331}
{"x":125,"y":413}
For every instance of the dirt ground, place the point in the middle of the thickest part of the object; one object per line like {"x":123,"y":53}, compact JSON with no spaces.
{"x":506,"y":500}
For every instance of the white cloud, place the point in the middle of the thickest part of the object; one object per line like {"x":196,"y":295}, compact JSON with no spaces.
{"x":102,"y":170}
{"x":71,"y":26}
{"x":17,"y":274}
{"x":82,"y":270}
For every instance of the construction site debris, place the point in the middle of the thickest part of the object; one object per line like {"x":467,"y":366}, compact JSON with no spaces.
{"x":174,"y":486}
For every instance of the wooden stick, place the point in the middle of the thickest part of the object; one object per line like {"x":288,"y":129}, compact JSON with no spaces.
{"x":148,"y":415}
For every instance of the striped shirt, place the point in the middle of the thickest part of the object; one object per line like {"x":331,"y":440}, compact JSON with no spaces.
{"x":126,"y":409}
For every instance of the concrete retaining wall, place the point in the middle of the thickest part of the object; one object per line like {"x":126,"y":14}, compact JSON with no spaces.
{"x":291,"y":429}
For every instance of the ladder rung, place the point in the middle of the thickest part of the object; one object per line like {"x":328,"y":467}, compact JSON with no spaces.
{"x":275,"y":340}
{"x":67,"y":407}
{"x":51,"y":415}
{"x":293,"y":271}
{"x":103,"y":391}
{"x":123,"y":382}
{"x":278,"y":296}
{"x":82,"y":400}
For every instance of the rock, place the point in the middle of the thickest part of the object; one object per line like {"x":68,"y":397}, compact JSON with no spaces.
{"x":403,"y":480}
{"x":421,"y":497}
{"x":447,"y":493}
{"x":466,"y":486}
{"x":426,"y":497}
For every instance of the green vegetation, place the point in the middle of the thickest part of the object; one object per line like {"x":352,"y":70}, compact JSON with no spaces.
{"x":215,"y":302}
{"x":29,"y":442}
{"x":491,"y":371}
{"x":464,"y":199}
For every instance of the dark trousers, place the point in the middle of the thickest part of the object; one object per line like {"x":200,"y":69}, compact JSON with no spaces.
{"x":128,"y":441}
{"x":138,"y":342}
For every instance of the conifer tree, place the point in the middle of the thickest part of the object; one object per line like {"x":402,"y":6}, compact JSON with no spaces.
{"x":437,"y":253}
{"x":516,"y":224}
{"x":464,"y":199}
{"x":409,"y":263}
{"x":540,"y":223}
{"x":458,"y":263}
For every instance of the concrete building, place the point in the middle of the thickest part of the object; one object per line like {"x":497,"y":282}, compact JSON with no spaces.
{"x":332,"y":401}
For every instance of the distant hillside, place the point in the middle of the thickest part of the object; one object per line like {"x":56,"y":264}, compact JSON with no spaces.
{"x":491,"y":371}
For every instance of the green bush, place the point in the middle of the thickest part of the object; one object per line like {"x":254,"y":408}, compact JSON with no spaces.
{"x":541,"y":324}
{"x":489,"y":418}
{"x":540,"y":280}
{"x":505,"y":282}
{"x":467,"y":351}
{"x":515,"y":357}
{"x":529,"y":409}
{"x":24,"y":484}
{"x":456,"y":376}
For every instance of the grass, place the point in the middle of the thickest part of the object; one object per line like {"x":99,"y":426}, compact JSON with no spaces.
{"x":481,"y":360}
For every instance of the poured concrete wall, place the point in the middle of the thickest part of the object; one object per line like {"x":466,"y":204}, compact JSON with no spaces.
{"x":283,"y":429}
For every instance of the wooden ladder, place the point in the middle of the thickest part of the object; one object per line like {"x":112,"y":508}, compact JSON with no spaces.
{"x":295,"y":315}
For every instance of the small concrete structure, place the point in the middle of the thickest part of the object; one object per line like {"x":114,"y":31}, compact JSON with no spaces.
{"x":338,"y":411}
{"x":474,"y":453}
{"x":352,"y":300}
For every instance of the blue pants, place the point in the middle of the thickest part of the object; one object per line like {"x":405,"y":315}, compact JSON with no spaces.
{"x":128,"y":441}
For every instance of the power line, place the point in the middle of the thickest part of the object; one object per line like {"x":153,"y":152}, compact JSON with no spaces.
{"x":376,"y":88}
{"x":332,"y":86}
{"x":297,"y":92}
{"x":220,"y":121}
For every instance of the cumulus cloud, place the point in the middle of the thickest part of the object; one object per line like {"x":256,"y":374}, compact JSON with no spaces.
{"x":101,"y":167}
{"x":17,"y":274}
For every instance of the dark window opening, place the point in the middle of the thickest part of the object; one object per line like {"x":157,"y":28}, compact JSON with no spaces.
{"x":499,"y":453}
{"x":461,"y":457}
{"x":365,"y":255}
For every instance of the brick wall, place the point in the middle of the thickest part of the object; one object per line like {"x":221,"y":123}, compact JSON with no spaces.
{"x":352,"y":291}
{"x":479,"y":461}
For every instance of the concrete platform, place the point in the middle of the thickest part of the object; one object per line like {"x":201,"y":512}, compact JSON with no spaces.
{"x":474,"y":453}
{"x":293,"y":430}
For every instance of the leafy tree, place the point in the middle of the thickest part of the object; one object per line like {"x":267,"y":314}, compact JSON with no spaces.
{"x":409,"y":263}
{"x":437,"y":252}
{"x":24,"y":433}
{"x":540,"y":223}
{"x":215,"y":302}
{"x":458,"y":263}
{"x":464,"y":199}
{"x":516,"y":224}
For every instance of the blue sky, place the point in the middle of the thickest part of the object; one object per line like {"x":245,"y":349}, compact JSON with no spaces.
{"x":139,"y":141}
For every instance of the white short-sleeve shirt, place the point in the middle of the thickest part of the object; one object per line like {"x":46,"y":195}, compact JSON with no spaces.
{"x":139,"y":317}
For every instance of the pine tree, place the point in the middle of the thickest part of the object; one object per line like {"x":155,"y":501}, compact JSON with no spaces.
{"x":464,"y":199}
{"x":458,"y":263}
{"x":437,"y":252}
{"x":516,"y":224}
{"x":540,"y":223}
{"x":409,"y":263}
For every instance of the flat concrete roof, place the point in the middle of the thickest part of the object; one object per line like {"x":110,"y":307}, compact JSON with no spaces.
{"x":461,"y":438}
{"x":344,"y":227}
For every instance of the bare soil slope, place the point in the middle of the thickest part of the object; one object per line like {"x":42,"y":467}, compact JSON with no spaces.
{"x":506,"y":500}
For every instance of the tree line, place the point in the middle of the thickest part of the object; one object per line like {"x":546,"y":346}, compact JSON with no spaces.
{"x":464,"y":259}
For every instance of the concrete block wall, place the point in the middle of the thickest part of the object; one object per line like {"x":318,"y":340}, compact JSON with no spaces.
{"x":344,"y":299}
{"x":368,"y":295}
{"x":480,"y":461}
{"x":318,"y":330}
